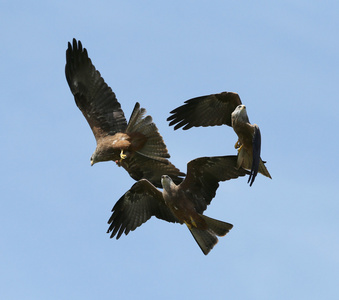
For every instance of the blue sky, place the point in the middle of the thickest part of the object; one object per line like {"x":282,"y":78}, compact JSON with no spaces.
{"x":282,"y":59}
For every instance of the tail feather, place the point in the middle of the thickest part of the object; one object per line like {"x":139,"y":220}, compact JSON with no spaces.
{"x":154,"y":147}
{"x":263,"y":170}
{"x":220,"y":228}
{"x":245,"y":161}
{"x":136,"y":117}
{"x":207,"y":239}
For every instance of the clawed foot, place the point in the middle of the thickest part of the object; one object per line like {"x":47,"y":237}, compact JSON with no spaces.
{"x":237,"y":144}
{"x":122,"y":155}
{"x":191,"y":224}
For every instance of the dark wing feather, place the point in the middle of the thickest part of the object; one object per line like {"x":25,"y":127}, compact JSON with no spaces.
{"x":151,"y":161}
{"x":210,"y":110}
{"x":256,"y":154}
{"x":139,"y":166}
{"x":204,"y":175}
{"x":137,"y":206}
{"x":92,"y":95}
{"x":155,"y":147}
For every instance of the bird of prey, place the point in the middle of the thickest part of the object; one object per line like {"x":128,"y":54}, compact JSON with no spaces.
{"x":224,"y":108}
{"x":137,"y":145}
{"x":183,"y":203}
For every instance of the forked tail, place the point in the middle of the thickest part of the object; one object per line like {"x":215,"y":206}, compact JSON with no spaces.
{"x":206,"y":239}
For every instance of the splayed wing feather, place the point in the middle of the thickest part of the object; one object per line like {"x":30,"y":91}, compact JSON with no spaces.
{"x":139,"y":166}
{"x":210,"y":110}
{"x":93,"y":96}
{"x":137,"y":206}
{"x":204,"y":175}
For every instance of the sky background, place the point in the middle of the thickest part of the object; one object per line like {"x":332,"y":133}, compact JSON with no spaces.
{"x":281,"y":57}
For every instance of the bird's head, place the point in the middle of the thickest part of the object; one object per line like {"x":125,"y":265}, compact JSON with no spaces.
{"x":93,"y":159}
{"x":166,"y":182}
{"x":240,"y":114}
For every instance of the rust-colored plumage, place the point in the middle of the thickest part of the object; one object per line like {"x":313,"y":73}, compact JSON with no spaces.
{"x":137,"y":145}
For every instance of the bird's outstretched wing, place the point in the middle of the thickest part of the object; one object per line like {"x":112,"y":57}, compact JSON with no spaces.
{"x":205,"y":173}
{"x":139,"y":166}
{"x":256,"y":145}
{"x":92,"y":95}
{"x":210,"y":110}
{"x":137,"y":206}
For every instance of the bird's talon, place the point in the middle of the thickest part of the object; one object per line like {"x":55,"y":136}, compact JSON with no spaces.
{"x":237,"y":144}
{"x":193,"y":222}
{"x":122,"y":155}
{"x":188,"y":225}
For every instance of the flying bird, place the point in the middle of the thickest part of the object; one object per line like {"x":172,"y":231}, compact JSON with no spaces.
{"x":137,"y":145}
{"x":224,"y":109}
{"x":183,"y":203}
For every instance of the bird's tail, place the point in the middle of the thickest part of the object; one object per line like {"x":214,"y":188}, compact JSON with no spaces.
{"x":245,"y":161}
{"x":151,"y":161}
{"x":154,"y":147}
{"x":263,"y":170}
{"x":207,"y":238}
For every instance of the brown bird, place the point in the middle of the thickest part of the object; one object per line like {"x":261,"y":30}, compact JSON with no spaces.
{"x":183,"y":203}
{"x":137,"y":145}
{"x":224,"y":108}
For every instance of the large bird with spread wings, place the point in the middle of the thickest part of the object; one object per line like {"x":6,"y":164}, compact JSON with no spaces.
{"x":183,"y":203}
{"x":224,"y":109}
{"x":137,"y":145}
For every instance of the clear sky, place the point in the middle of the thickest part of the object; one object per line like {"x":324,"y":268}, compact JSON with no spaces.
{"x":282,"y":59}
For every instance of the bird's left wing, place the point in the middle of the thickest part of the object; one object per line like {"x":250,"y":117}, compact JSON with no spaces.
{"x":210,"y":110}
{"x":137,"y":206}
{"x":205,"y":173}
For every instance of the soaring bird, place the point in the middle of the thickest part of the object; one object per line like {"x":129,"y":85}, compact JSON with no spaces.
{"x":183,"y":203}
{"x":137,"y":145}
{"x":224,"y":108}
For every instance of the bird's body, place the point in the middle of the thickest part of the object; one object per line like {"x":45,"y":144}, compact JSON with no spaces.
{"x":183,"y":203}
{"x":248,"y":144}
{"x":224,"y":108}
{"x":183,"y":210}
{"x":242,"y":126}
{"x":110,"y":147}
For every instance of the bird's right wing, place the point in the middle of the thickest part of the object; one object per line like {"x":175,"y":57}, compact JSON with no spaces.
{"x":92,"y":95}
{"x":137,"y":206}
{"x":205,"y":173}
